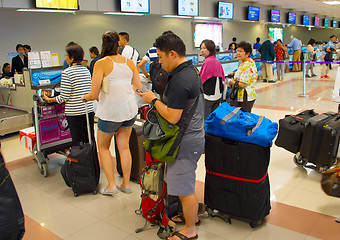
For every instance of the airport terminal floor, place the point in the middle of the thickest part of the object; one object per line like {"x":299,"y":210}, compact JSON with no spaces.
{"x":300,"y":209}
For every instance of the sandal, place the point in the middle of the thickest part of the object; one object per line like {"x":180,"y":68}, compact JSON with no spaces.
{"x":182,"y":220}
{"x":182,"y":237}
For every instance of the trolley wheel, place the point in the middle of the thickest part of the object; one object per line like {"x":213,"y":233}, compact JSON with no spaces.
{"x":44,"y":169}
{"x":299,"y":161}
{"x":76,"y":194}
{"x":323,"y":169}
{"x":95,"y":192}
{"x":254,"y":224}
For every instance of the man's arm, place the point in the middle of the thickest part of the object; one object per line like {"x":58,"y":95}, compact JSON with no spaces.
{"x":141,"y":66}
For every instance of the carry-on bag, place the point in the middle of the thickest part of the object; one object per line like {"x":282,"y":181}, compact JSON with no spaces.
{"x":81,"y":169}
{"x":12,"y":225}
{"x":236,"y":124}
{"x":321,"y":140}
{"x":137,"y":152}
{"x":330,"y":182}
{"x":291,"y":129}
{"x":237,"y":183}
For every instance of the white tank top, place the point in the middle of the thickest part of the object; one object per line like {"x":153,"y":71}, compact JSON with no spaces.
{"x":119,"y":104}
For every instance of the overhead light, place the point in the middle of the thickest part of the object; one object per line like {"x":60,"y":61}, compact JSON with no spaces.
{"x":45,"y":10}
{"x":175,"y":16}
{"x":125,"y":14}
{"x":331,"y":2}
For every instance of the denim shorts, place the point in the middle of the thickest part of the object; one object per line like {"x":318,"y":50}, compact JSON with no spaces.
{"x":109,"y":127}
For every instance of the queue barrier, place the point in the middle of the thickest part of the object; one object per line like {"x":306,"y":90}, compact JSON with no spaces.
{"x":304,"y":70}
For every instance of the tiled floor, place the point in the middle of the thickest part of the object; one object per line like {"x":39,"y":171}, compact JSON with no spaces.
{"x":300,"y":209}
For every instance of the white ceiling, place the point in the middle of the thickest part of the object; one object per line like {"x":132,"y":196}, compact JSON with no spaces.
{"x":310,"y":6}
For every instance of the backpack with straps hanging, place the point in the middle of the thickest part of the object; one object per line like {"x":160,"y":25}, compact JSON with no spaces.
{"x":159,"y":77}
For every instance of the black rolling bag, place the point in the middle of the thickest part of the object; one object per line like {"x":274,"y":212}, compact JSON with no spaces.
{"x":321,"y":140}
{"x":291,"y":129}
{"x":138,"y":153}
{"x":236,"y":183}
{"x":81,"y":170}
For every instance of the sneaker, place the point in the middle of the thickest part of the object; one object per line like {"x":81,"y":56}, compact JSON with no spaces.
{"x":264,"y":80}
{"x":314,"y":75}
{"x":124,"y":190}
{"x":326,"y":76}
{"x":110,"y":192}
{"x":322,"y":76}
{"x":337,"y":219}
{"x":307,"y":76}
{"x":272,"y":81}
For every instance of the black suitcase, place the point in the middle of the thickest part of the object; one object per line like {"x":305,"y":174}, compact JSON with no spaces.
{"x":138,"y":153}
{"x":236,"y":182}
{"x":291,"y":130}
{"x":320,"y":141}
{"x":81,"y":170}
{"x":12,"y":225}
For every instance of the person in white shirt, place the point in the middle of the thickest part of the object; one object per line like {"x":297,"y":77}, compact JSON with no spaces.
{"x":125,"y":49}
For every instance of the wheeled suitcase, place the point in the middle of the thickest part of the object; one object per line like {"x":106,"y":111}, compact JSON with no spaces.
{"x":291,"y":129}
{"x":138,"y":153}
{"x":236,"y":182}
{"x":81,"y":170}
{"x":320,"y":141}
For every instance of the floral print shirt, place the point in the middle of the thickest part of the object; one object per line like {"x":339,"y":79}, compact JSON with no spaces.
{"x":247,"y":73}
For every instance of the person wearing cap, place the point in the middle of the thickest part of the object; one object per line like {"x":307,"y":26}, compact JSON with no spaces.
{"x":296,"y":45}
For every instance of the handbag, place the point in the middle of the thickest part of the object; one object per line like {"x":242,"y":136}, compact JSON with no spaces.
{"x":162,"y":139}
{"x":232,"y":99}
{"x":329,"y":57}
{"x":105,"y":85}
{"x":330,"y":182}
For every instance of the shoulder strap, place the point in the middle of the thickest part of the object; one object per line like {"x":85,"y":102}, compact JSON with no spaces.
{"x":186,"y":123}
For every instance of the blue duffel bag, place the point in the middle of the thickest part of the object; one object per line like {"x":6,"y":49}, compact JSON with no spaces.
{"x":233,"y":123}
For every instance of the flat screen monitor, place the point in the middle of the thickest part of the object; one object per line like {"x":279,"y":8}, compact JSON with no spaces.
{"x":188,"y":8}
{"x":326,"y":22}
{"x":135,"y":6}
{"x":224,"y":56}
{"x":274,"y":15}
{"x":212,"y":31}
{"x":147,"y":67}
{"x":291,"y":18}
{"x":335,"y":24}
{"x":57,"y":4}
{"x":225,"y":10}
{"x":253,"y":13}
{"x":193,"y":58}
{"x":305,"y":20}
{"x":45,"y":77}
{"x":229,"y":67}
{"x":317,"y":22}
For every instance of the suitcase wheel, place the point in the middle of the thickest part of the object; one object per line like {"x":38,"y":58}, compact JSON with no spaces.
{"x":76,"y":194}
{"x":95,"y":192}
{"x":254,"y":224}
{"x":299,"y":160}
{"x":210,"y":211}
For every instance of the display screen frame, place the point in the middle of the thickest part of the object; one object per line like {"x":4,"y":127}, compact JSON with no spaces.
{"x":272,"y":19}
{"x":197,"y":43}
{"x":126,"y":11}
{"x":334,"y":23}
{"x":222,"y":4}
{"x":188,"y":15}
{"x":326,"y":20}
{"x":39,"y":6}
{"x":51,"y":85}
{"x":252,"y":8}
{"x":291,"y":14}
{"x":317,"y":21}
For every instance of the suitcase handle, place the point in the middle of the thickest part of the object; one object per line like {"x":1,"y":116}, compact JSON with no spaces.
{"x":88,"y":123}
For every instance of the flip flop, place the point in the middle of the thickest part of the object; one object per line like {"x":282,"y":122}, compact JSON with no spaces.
{"x":182,"y":220}
{"x":182,"y":237}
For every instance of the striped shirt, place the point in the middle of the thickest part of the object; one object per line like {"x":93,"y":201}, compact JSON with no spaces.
{"x":151,"y":55}
{"x":75,"y":82}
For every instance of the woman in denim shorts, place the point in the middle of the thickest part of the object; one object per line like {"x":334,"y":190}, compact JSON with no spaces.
{"x":117,"y":109}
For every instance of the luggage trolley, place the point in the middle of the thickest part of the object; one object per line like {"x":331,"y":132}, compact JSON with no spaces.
{"x":51,"y":131}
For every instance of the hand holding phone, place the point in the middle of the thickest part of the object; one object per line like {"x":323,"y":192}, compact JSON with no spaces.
{"x":139,"y":91}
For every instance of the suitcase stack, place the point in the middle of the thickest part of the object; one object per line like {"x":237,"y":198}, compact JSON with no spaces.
{"x":320,"y":141}
{"x":236,"y":182}
{"x":137,"y":152}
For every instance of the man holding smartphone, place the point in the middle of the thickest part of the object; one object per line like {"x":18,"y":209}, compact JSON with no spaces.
{"x":179,"y":98}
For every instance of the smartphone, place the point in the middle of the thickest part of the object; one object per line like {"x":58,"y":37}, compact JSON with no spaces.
{"x":139,"y":91}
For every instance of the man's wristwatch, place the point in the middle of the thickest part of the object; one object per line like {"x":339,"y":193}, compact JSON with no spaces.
{"x":153,"y":101}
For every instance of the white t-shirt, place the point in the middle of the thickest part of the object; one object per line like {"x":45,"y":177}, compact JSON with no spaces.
{"x":131,"y":53}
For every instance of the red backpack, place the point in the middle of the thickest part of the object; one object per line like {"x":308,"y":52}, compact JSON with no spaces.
{"x":154,"y":198}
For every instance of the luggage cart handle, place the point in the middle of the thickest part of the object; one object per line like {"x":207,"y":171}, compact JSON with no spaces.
{"x":88,"y":123}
